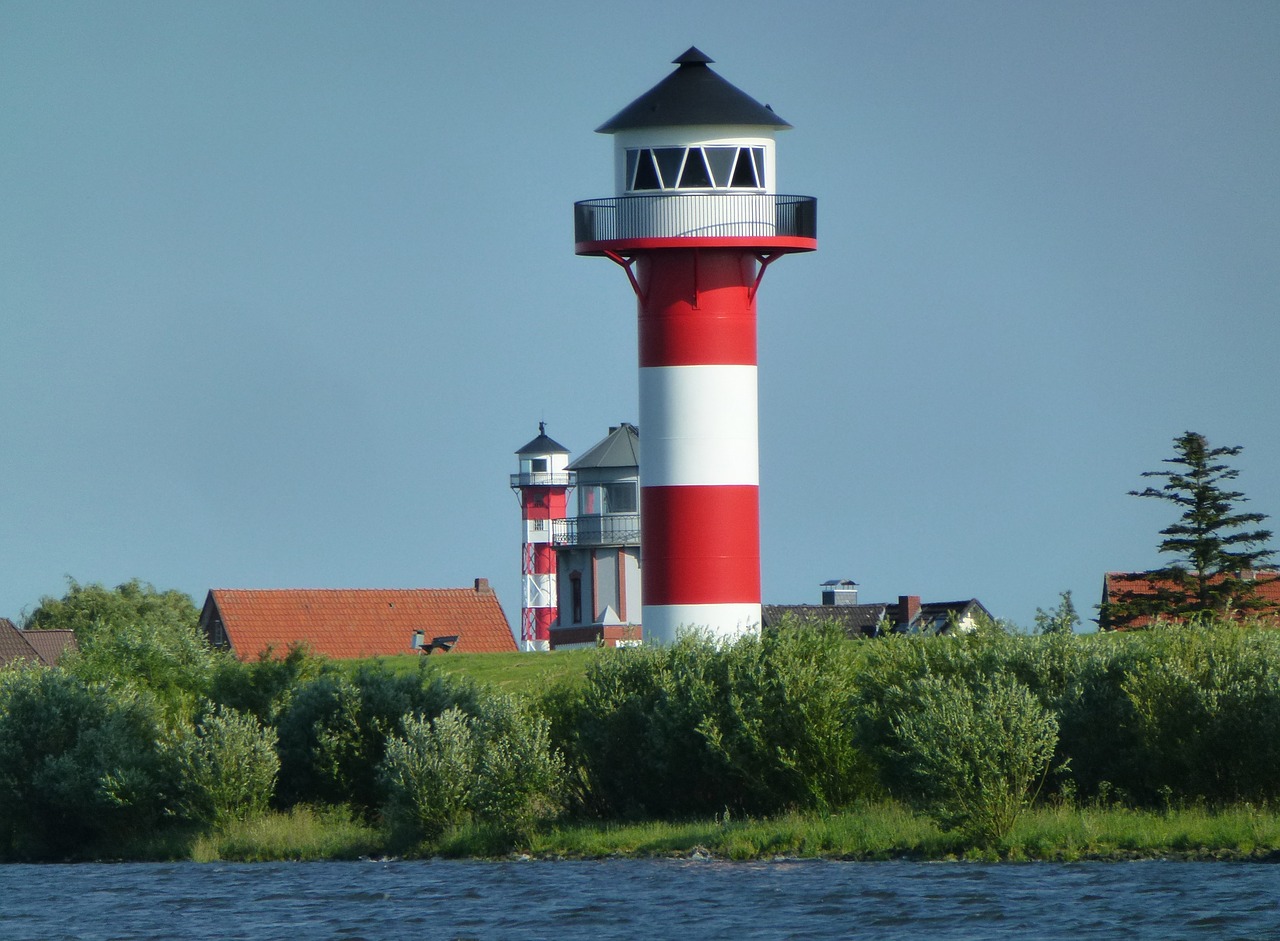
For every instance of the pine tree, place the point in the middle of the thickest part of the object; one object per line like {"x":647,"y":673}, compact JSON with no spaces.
{"x":1218,"y":554}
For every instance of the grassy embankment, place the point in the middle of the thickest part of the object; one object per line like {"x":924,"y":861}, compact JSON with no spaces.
{"x":878,"y":832}
{"x":874,"y":832}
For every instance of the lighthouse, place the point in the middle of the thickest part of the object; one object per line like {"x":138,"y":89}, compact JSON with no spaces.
{"x":542,"y":485}
{"x":695,"y":221}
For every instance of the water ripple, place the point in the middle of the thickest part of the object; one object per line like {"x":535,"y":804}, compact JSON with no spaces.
{"x":563,"y":901}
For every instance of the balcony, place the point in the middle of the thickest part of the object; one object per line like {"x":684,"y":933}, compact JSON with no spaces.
{"x":544,"y":479}
{"x":747,"y":219}
{"x":617,"y":529}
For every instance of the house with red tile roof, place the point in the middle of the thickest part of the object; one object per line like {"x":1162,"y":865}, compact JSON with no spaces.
{"x":1124,"y":586}
{"x":350,"y":623}
{"x":44,"y":647}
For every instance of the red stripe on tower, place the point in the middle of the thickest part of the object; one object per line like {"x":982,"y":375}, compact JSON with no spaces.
{"x":696,"y":221}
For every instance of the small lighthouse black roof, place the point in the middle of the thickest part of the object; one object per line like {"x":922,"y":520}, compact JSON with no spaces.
{"x":692,"y":94}
{"x":542,"y":444}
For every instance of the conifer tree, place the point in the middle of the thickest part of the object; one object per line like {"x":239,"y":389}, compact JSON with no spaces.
{"x":1220,"y":559}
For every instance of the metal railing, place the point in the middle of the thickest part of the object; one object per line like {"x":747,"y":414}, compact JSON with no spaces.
{"x":695,"y":215}
{"x":619,"y":529}
{"x":545,"y":479}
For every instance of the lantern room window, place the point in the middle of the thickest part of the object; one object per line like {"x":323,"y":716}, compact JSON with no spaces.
{"x":694,"y":168}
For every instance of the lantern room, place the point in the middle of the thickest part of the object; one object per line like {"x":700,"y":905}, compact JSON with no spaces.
{"x":694,"y":158}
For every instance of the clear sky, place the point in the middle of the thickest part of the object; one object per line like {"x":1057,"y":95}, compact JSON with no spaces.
{"x":283,"y":285}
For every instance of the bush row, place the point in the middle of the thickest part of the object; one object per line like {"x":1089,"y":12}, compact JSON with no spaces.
{"x":144,"y":731}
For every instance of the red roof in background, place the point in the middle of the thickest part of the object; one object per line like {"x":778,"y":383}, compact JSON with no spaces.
{"x":1140,"y":583}
{"x":51,"y":645}
{"x":44,"y":647}
{"x":348,"y":623}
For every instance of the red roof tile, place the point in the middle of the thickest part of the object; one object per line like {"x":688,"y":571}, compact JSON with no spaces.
{"x":1139,"y":584}
{"x":13,"y":645}
{"x":52,"y":644}
{"x":347,"y":623}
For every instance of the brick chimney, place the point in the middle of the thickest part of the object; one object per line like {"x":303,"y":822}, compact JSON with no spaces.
{"x":482,"y":585}
{"x":908,"y":609}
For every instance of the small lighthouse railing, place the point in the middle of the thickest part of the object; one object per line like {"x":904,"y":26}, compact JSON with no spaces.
{"x":614,"y":529}
{"x":544,"y":479}
{"x":695,"y":215}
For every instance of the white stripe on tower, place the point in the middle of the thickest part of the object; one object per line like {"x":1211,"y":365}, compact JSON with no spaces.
{"x":700,"y":425}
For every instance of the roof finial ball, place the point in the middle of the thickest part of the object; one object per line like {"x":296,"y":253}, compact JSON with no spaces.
{"x":695,"y":220}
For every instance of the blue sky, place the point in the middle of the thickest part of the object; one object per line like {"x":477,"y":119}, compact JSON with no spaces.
{"x":283,"y":285}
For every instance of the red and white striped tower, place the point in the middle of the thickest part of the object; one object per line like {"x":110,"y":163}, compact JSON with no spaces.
{"x":695,"y":223}
{"x":543,"y":486}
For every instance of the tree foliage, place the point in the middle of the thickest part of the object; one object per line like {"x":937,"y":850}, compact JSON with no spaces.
{"x":86,"y":609}
{"x":1061,"y":620}
{"x":1215,"y":546}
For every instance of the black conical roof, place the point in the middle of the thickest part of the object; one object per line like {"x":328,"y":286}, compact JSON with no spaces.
{"x":692,"y":94}
{"x":543,"y":444}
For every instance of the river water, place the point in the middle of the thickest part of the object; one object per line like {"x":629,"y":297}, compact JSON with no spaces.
{"x":370,"y":901}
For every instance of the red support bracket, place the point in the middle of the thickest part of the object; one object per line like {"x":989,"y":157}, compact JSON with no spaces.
{"x":765,"y":259}
{"x":626,"y":263}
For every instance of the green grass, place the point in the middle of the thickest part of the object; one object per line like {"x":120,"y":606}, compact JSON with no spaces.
{"x":303,"y":834}
{"x":518,"y":673}
{"x":875,"y":832}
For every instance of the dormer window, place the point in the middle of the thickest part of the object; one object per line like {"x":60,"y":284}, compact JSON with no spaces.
{"x":695,"y":168}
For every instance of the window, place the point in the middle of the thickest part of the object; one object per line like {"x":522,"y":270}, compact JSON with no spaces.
{"x":538,"y":465}
{"x":575,"y":595}
{"x":646,"y":174}
{"x":744,"y":174}
{"x":620,"y":498}
{"x":698,"y":168}
{"x":696,"y":174}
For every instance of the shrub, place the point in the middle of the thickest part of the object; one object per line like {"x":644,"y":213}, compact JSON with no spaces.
{"x":1206,"y":704}
{"x":80,"y":767}
{"x":496,"y":768}
{"x":755,"y":726}
{"x":518,"y":773}
{"x":264,"y":687}
{"x":429,"y":771}
{"x":228,"y":766}
{"x":334,"y":731}
{"x":975,"y":754}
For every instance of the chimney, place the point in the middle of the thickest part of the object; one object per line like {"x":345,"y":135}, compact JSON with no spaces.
{"x":908,"y":609}
{"x":482,"y":584}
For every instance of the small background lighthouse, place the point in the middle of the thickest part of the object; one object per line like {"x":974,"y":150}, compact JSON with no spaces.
{"x":695,"y":222}
{"x":542,"y":485}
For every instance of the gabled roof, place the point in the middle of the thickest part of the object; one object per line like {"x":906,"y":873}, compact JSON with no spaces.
{"x":935,"y":616}
{"x":853,"y":619}
{"x":620,"y":448}
{"x":693,"y":94}
{"x":543,"y":444}
{"x":865,"y":619}
{"x":354,"y":622}
{"x":45,"y":647}
{"x":13,"y":646}
{"x":51,"y":645}
{"x":1116,"y":585}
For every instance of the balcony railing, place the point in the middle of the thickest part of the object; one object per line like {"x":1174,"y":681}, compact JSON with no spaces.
{"x":545,"y":479}
{"x":619,"y":529}
{"x":695,"y":215}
